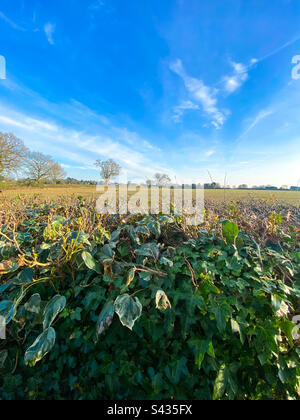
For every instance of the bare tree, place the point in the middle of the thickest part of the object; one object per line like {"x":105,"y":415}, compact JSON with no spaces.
{"x":40,"y":167}
{"x":162,"y":179}
{"x":109,"y":169}
{"x":12,"y":153}
{"x":57,"y":172}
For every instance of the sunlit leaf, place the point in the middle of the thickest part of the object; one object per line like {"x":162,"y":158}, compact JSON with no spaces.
{"x":230,"y":232}
{"x":42,"y":345}
{"x":162,"y":301}
{"x":130,"y":276}
{"x":220,"y":383}
{"x":52,"y":309}
{"x":9,"y":266}
{"x":90,"y":261}
{"x":128,"y":309}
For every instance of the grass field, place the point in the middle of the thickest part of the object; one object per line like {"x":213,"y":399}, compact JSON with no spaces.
{"x":53,"y":192}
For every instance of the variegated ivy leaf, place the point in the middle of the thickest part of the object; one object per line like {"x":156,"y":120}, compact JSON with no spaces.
{"x":90,"y":262}
{"x":7,"y":308}
{"x":34,"y":304}
{"x":42,"y":345}
{"x":130,"y":276}
{"x":106,"y":317}
{"x":162,"y":301}
{"x":128,"y":309}
{"x":53,"y":308}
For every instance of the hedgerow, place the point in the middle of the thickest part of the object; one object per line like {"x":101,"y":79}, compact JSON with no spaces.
{"x":147,"y":308}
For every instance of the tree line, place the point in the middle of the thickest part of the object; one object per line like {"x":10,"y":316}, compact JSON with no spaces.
{"x":16,"y":158}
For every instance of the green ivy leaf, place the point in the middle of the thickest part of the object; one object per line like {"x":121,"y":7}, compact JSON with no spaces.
{"x":128,"y":310}
{"x":24,"y":277}
{"x":220,"y":383}
{"x":230,"y":232}
{"x":34,"y":304}
{"x":220,"y":316}
{"x":90,"y":262}
{"x":235,"y":326}
{"x":148,"y":250}
{"x":178,"y":370}
{"x":201,"y":347}
{"x":166,"y":261}
{"x":154,"y":228}
{"x":42,"y":346}
{"x":106,"y":317}
{"x":9,"y":266}
{"x":7,"y":308}
{"x":53,"y":308}
{"x":3,"y":357}
{"x":287,"y":327}
{"x":4,"y":287}
{"x":130,"y":276}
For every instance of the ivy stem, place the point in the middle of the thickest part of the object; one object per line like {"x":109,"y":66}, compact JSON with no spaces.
{"x":138,"y":291}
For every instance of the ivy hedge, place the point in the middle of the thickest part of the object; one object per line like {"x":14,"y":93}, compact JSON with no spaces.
{"x":124,"y":314}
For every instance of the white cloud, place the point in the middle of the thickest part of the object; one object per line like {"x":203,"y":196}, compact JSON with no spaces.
{"x":49,"y":29}
{"x":239,"y":76}
{"x":27,"y":123}
{"x":79,"y":149}
{"x":180,"y":109}
{"x":209,"y":153}
{"x":200,"y":93}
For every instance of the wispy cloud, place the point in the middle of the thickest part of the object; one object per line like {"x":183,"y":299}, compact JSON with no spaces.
{"x":49,"y":29}
{"x":280,"y":48}
{"x":259,"y":117}
{"x":79,"y":148}
{"x":11,"y":22}
{"x":180,"y":109}
{"x":239,"y":76}
{"x":201,"y":94}
{"x":28,"y":123}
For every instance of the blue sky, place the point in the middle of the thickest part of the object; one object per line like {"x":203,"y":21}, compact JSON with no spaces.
{"x":176,"y":86}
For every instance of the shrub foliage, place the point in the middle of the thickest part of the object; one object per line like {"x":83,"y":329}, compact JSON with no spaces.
{"x":147,"y":308}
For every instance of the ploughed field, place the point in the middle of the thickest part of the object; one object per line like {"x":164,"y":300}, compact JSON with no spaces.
{"x":101,"y":306}
{"x":54,"y":192}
